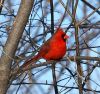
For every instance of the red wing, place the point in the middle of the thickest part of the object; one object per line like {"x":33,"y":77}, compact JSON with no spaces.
{"x":45,"y":48}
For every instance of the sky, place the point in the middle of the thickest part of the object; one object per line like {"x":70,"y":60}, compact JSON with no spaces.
{"x":47,"y":73}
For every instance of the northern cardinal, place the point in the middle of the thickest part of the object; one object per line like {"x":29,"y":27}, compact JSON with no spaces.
{"x":53,"y":49}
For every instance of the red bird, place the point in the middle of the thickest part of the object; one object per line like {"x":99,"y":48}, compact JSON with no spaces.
{"x":53,"y":49}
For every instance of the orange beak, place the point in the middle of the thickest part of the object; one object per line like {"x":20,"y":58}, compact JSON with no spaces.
{"x":66,"y":37}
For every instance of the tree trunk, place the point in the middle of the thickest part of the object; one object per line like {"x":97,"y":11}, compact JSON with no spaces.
{"x":12,"y":43}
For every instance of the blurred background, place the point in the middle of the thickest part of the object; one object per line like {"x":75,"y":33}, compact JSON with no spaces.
{"x":77,"y":18}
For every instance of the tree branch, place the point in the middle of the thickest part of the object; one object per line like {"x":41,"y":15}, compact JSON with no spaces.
{"x":12,"y":43}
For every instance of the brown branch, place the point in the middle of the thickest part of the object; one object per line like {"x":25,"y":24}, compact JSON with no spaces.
{"x":78,"y":61}
{"x":84,"y":58}
{"x":89,"y":5}
{"x":72,"y":58}
{"x":79,"y":70}
{"x":83,"y":48}
{"x":12,"y":43}
{"x":86,"y":17}
{"x":88,"y":75}
{"x":66,"y":87}
{"x":1,"y":5}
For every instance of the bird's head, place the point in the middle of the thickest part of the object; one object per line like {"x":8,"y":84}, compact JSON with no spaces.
{"x":61,"y":34}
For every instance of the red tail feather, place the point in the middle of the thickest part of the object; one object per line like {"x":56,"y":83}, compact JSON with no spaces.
{"x":30,"y":62}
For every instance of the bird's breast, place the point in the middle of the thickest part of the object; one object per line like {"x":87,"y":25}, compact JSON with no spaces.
{"x":56,"y":52}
